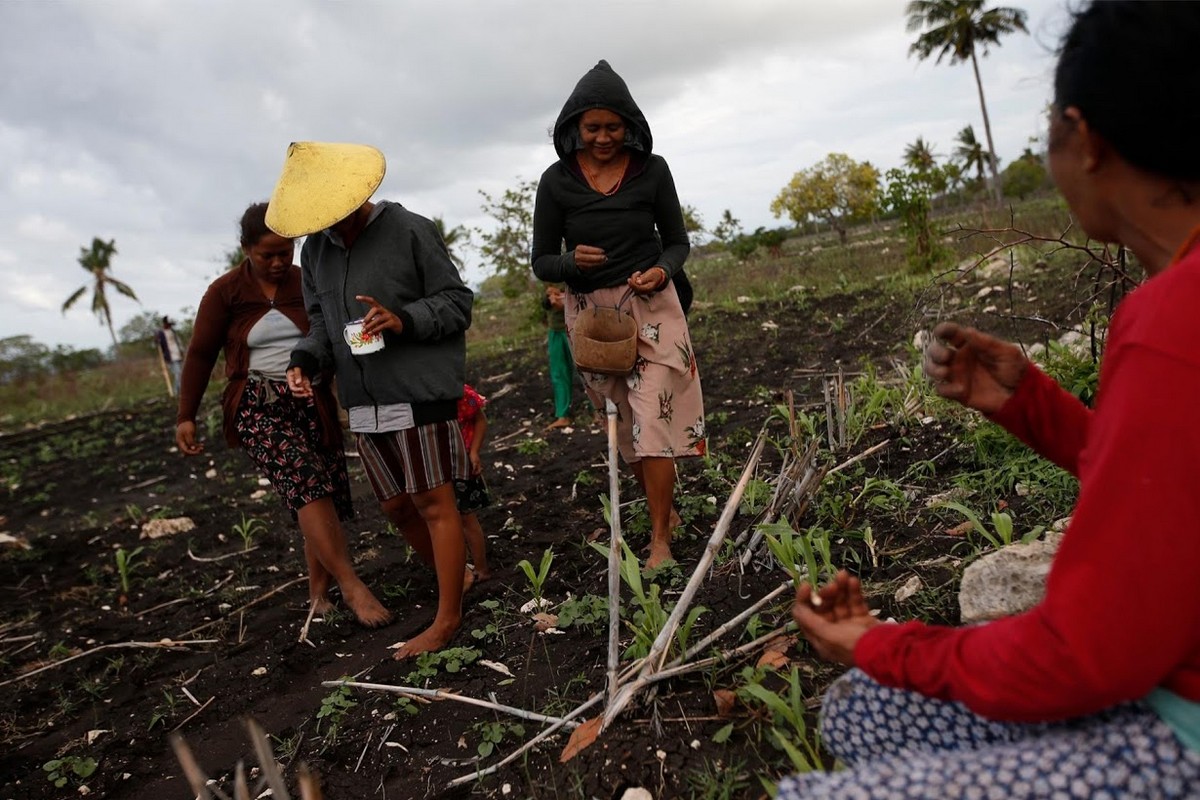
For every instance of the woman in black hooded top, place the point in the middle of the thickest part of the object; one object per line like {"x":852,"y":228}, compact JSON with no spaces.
{"x":613,"y":203}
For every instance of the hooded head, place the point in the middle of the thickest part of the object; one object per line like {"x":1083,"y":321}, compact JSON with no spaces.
{"x":601,"y":88}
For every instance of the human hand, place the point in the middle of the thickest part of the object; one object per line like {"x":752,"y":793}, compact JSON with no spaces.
{"x":378,"y":319}
{"x":300,"y":385}
{"x":554,"y":296}
{"x":835,"y":618}
{"x":973,"y":368}
{"x":185,"y":439}
{"x":588,"y":257}
{"x":649,"y":281}
{"x":476,"y":463}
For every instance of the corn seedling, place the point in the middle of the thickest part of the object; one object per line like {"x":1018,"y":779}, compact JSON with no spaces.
{"x":537,"y":579}
{"x":788,"y":725}
{"x":1001,"y":534}
{"x":125,"y":567}
{"x":247,"y":529}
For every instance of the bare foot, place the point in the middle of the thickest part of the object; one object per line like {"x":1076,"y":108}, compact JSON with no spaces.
{"x":369,"y":612}
{"x":676,"y":520}
{"x":659,"y":553}
{"x":320,"y":604}
{"x":435,"y":637}
{"x":561,"y":422}
{"x":469,"y":579}
{"x":482,"y":574}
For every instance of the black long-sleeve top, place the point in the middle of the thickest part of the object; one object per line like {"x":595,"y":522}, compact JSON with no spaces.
{"x":639,"y":226}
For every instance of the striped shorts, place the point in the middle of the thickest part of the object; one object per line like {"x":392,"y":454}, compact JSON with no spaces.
{"x":416,"y":460}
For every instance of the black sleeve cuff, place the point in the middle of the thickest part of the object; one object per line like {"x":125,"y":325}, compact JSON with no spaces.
{"x":410,"y":328}
{"x":309,"y":364}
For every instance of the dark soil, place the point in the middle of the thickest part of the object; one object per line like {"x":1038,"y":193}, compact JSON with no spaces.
{"x":78,"y":490}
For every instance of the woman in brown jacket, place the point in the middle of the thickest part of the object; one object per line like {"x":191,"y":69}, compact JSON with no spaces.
{"x":256,"y":314}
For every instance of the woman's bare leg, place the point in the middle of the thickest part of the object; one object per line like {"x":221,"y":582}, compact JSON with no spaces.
{"x":657,"y":477}
{"x":440,"y":513}
{"x":325,"y":543}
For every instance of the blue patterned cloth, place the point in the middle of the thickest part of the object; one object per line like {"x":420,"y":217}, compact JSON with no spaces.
{"x":900,"y":745}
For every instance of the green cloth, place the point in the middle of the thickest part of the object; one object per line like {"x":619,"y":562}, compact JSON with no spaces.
{"x":562,"y":370}
{"x":1180,"y":714}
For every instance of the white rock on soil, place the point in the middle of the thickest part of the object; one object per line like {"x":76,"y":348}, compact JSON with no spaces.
{"x":910,"y":588}
{"x":1006,"y":582}
{"x":158,"y":528}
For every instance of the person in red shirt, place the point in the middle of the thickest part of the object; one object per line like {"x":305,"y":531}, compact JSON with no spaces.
{"x":1094,"y":692}
{"x":472,"y":494}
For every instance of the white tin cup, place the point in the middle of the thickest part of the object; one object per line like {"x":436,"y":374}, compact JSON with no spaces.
{"x":361,"y":343}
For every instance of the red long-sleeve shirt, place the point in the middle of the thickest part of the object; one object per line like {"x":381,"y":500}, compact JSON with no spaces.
{"x":1121,"y":614}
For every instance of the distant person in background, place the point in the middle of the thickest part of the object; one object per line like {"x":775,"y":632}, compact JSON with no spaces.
{"x":1095,"y":691}
{"x":171,"y":351}
{"x":255,"y":314}
{"x":473,"y":492}
{"x":562,"y":365}
{"x":613,"y":202}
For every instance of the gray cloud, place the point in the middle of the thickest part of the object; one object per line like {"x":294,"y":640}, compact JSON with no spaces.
{"x":155,"y":123}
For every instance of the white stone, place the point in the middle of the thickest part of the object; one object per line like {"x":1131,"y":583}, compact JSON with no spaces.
{"x":637,"y":792}
{"x":157,"y":528}
{"x":910,"y":588}
{"x":1006,"y":582}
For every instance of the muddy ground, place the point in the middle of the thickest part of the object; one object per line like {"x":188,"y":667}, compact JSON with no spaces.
{"x":78,"y":491}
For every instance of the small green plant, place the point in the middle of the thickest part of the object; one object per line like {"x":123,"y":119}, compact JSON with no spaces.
{"x":61,"y":770}
{"x":532,"y":446}
{"x":589,"y":612}
{"x":126,"y":566}
{"x":164,"y":711}
{"x":333,"y":710}
{"x":493,"y":733}
{"x":1001,"y":534}
{"x":135,"y":513}
{"x":585,"y":478}
{"x":789,"y":728}
{"x":247,"y":529}
{"x":452,"y":659}
{"x":755,"y":497}
{"x":718,"y":781}
{"x":537,"y":579}
{"x":60,"y":651}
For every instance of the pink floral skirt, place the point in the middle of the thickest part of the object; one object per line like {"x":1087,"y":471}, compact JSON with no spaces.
{"x":660,"y":407}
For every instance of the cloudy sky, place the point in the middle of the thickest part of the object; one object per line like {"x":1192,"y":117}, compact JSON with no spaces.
{"x":155,"y":122}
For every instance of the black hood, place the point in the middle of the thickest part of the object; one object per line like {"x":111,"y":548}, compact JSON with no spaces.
{"x":603,"y":88}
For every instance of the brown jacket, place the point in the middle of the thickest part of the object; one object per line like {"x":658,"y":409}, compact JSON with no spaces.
{"x":232,"y":305}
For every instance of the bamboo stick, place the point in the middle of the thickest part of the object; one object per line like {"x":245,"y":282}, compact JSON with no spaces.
{"x":439,"y":694}
{"x":658,"y":650}
{"x":614,"y":552}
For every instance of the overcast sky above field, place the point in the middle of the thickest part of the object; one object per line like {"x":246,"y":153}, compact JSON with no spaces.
{"x":155,"y":122}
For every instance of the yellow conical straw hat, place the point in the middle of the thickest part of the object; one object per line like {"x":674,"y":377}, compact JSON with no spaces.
{"x":322,"y":183}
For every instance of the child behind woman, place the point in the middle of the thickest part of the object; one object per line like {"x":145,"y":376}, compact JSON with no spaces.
{"x":473,"y":493}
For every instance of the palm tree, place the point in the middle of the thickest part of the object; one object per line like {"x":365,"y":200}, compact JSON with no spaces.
{"x":96,"y":261}
{"x":958,"y":28}
{"x":970,"y":152}
{"x":454,"y":236}
{"x":919,"y":155}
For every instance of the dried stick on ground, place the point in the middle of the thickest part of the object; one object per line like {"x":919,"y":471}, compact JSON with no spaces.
{"x":614,"y":552}
{"x":658,"y":650}
{"x":165,"y":644}
{"x":438,"y":694}
{"x":670,"y":672}
{"x":241,"y":608}
{"x":794,"y":486}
